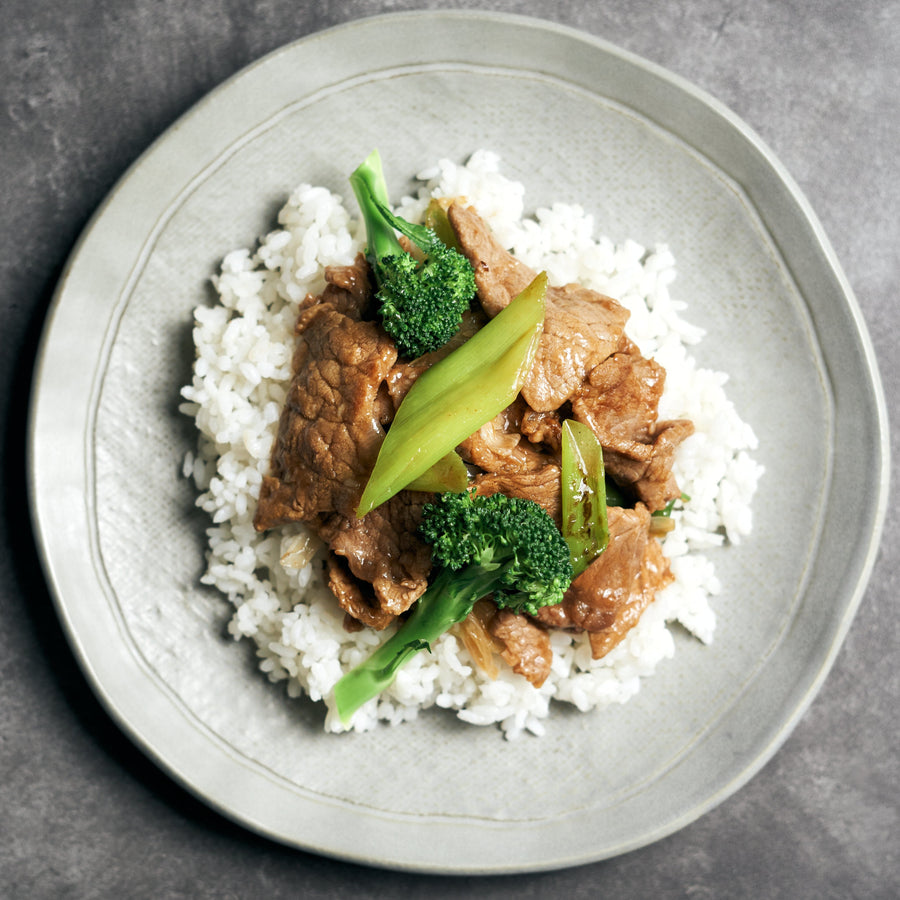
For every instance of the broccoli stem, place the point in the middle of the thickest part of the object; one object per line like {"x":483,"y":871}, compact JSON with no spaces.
{"x":371,"y":189}
{"x":447,"y":601}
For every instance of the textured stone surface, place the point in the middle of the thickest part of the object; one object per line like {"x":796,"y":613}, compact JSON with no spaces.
{"x":84,"y":89}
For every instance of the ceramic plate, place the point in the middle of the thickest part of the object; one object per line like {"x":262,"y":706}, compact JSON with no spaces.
{"x":575,"y":119}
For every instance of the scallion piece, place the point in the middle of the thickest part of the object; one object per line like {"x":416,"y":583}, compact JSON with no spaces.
{"x":458,"y":394}
{"x":584,"y":521}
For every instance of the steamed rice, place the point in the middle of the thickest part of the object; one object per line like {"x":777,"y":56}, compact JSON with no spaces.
{"x":244,"y":346}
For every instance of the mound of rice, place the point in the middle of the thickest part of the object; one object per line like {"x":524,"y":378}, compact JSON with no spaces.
{"x":244,"y":346}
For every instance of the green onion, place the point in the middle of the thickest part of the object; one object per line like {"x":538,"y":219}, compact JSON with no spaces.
{"x":584,"y":521}
{"x":437,"y":219}
{"x":448,"y":474}
{"x":458,"y":394}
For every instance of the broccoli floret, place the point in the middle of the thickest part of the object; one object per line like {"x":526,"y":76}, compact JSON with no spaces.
{"x":498,"y":545}
{"x":421,"y":301}
{"x":509,"y":541}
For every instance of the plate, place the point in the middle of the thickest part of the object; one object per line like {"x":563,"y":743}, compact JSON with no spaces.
{"x":575,"y":119}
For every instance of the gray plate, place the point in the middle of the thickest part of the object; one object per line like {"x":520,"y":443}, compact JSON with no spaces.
{"x":575,"y":119}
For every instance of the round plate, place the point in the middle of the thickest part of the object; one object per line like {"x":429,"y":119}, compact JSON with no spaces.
{"x":577,"y":120}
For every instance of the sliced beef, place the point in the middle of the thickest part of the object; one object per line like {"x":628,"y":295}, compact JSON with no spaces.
{"x":608,"y":597}
{"x":519,"y":640}
{"x":331,"y":426}
{"x":499,"y":445}
{"x":609,"y":584}
{"x":525,"y":645}
{"x":542,"y":428}
{"x":619,"y":402}
{"x":540,"y":485}
{"x":652,"y":478}
{"x":581,"y":327}
{"x":330,"y":431}
{"x":384,"y":549}
{"x":655,"y":575}
{"x":348,"y":289}
{"x":355,"y":597}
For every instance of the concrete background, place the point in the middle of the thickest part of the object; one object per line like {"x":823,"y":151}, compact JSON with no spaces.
{"x":84,"y":88}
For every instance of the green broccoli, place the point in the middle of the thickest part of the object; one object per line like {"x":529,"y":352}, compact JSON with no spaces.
{"x":421,"y":301}
{"x":499,"y":545}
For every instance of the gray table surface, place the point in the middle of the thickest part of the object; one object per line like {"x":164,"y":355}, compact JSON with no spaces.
{"x":84,"y":88}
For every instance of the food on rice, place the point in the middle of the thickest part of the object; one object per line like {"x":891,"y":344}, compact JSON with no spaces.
{"x":600,"y":361}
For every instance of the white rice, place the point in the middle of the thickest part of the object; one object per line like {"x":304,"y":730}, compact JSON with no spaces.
{"x":244,"y":346}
